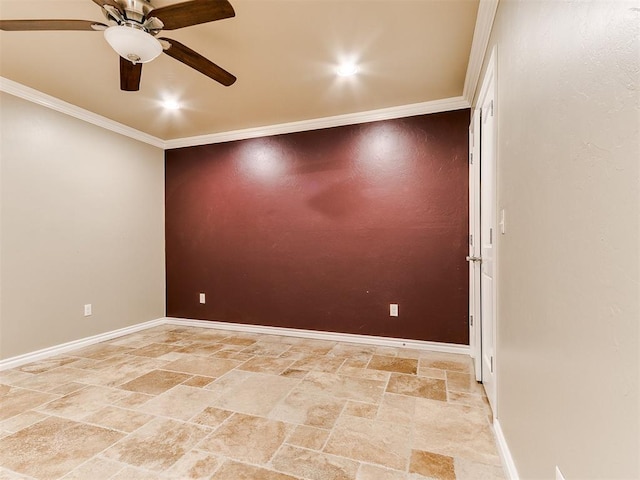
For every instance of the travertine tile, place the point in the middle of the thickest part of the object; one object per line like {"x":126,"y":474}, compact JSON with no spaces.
{"x":83,"y":402}
{"x":308,"y":437}
{"x":155,"y":382}
{"x":239,"y":340}
{"x":133,"y":400}
{"x":432,"y":465}
{"x":133,"y":473}
{"x":195,"y":464}
{"x":370,"y":374}
{"x":417,"y":386}
{"x":100,"y":351}
{"x":359,"y":409}
{"x":266,"y":349}
{"x":467,"y":470}
{"x":373,"y":472}
{"x":53,"y":447}
{"x":318,"y":363}
{"x":21,"y":421}
{"x":446,"y":361}
{"x":258,"y":394}
{"x":205,"y":366}
{"x":370,"y":441}
{"x":266,"y":365}
{"x":157,"y":445}
{"x":46,"y":364}
{"x":53,"y":378}
{"x":314,"y":465}
{"x":211,"y":417}
{"x":463,"y":382}
{"x":118,"y":419}
{"x":241,"y":471}
{"x":394,"y":364}
{"x":431,"y":372}
{"x":181,"y":402}
{"x":198,"y":381}
{"x":351,"y":388}
{"x":398,"y":409}
{"x":247,"y":438}
{"x":200,"y":348}
{"x":153,"y":350}
{"x":95,"y":468}
{"x":15,"y":400}
{"x":67,"y":388}
{"x":307,"y":408}
{"x":454,"y":430}
{"x":471,"y":399}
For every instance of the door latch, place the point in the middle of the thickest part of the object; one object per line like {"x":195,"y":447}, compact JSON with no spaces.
{"x":474,"y":259}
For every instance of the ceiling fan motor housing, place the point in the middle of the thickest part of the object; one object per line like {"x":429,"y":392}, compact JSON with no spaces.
{"x":133,"y":13}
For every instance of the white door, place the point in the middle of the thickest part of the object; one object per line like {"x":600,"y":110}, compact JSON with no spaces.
{"x":473,"y":258}
{"x":486,"y":104}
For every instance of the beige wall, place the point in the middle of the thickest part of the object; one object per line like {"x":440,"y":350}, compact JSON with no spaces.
{"x":81,"y":221}
{"x":568,"y":298}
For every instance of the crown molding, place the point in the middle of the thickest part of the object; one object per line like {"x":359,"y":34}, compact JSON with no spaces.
{"x":481,"y":34}
{"x":27,"y":93}
{"x":435,"y":106}
{"x":35,"y":96}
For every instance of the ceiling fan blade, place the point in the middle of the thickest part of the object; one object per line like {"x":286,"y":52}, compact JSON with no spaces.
{"x":113,"y":3}
{"x":193,"y":12}
{"x":130,"y":75}
{"x":31,"y":25}
{"x":196,"y":61}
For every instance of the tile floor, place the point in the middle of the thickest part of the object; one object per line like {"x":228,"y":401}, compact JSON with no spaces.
{"x":184,"y":402}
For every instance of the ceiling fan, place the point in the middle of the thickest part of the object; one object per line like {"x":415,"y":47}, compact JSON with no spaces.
{"x":134,"y":27}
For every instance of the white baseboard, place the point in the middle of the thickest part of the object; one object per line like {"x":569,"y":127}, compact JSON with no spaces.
{"x":505,"y":453}
{"x":19,"y":360}
{"x":320,"y":335}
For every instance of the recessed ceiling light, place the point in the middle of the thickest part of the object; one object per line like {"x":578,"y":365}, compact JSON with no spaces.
{"x":347,"y":70}
{"x":170,"y":104}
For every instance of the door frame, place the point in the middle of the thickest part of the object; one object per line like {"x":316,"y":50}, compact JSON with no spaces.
{"x":488,"y":81}
{"x":475,"y":339}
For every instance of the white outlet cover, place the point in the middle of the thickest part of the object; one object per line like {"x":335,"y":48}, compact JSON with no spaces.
{"x":87,"y":310}
{"x":202,"y":298}
{"x":393,"y":309}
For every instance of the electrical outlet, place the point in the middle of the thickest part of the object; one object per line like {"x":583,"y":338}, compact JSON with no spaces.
{"x":202,"y":298}
{"x":559,"y":475}
{"x":87,"y":310}
{"x":393,"y":310}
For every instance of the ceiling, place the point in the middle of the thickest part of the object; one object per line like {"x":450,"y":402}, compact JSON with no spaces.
{"x":284,"y":53}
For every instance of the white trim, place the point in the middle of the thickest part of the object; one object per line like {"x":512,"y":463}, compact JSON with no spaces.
{"x":435,"y":106}
{"x":19,"y":360}
{"x":321,"y":335}
{"x":481,"y":34}
{"x":505,"y":454}
{"x":18,"y":90}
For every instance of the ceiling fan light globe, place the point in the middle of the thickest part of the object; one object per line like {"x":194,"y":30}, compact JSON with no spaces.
{"x":132,"y":43}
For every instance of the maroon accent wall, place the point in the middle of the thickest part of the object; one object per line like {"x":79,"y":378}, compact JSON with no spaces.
{"x":322,"y":230}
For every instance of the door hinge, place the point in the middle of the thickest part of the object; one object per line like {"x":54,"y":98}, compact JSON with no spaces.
{"x":491,"y":236}
{"x":471,"y":320}
{"x":491,"y":108}
{"x":471,"y":158}
{"x":491,"y":366}
{"x":471,"y":240}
